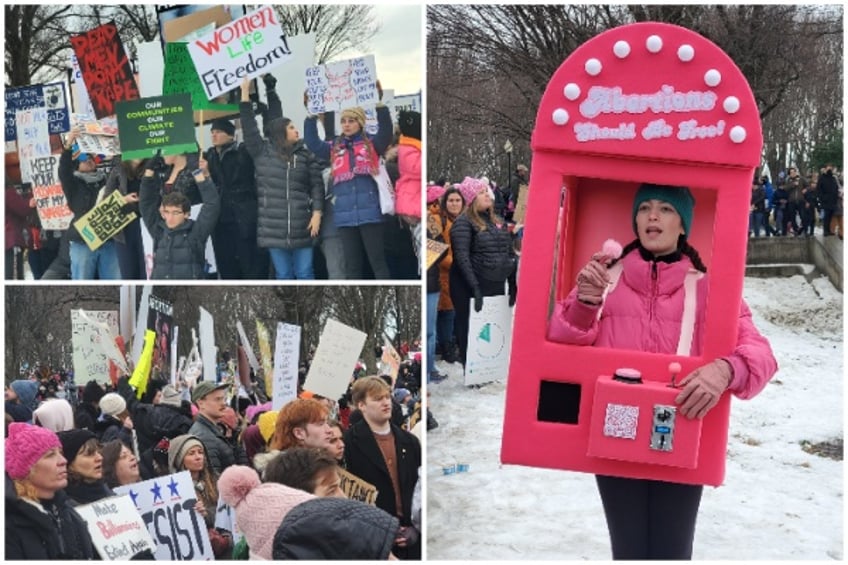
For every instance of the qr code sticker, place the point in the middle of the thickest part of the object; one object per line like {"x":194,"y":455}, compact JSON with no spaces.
{"x":621,"y":421}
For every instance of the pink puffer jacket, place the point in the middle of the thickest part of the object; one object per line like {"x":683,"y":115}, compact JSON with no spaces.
{"x":408,"y":189}
{"x":643,"y":313}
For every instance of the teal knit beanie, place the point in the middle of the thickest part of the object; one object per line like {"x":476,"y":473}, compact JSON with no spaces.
{"x":677,"y":196}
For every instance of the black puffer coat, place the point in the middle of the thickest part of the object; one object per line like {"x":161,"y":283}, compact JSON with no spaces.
{"x":233,"y":173}
{"x":484,"y":258}
{"x":33,"y":535}
{"x":178,"y":253}
{"x":288,"y":190}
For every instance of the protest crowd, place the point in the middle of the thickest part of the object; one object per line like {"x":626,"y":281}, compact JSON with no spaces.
{"x":129,"y":193}
{"x":317,"y":478}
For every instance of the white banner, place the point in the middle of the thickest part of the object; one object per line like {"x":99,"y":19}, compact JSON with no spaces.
{"x":167,"y":506}
{"x":90,"y":359}
{"x":343,"y":84}
{"x":116,"y":528}
{"x":174,"y":342}
{"x":335,"y":359}
{"x":489,"y":341}
{"x":286,"y":362}
{"x":33,"y":138}
{"x":208,"y":351}
{"x":245,"y":48}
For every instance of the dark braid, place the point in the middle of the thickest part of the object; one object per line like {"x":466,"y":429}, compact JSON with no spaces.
{"x":682,"y":246}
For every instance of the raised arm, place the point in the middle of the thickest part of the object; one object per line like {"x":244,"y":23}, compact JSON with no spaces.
{"x":252,"y":137}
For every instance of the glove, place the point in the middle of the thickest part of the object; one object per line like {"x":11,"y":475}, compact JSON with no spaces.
{"x":513,"y":292}
{"x":270,"y":81}
{"x":407,"y":536}
{"x":703,"y":387}
{"x":478,"y":300}
{"x":157,"y":164}
{"x":592,"y":281}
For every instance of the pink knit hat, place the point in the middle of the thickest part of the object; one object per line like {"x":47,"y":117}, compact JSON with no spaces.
{"x":260,"y":507}
{"x":27,"y":444}
{"x":434,"y":192}
{"x":470,"y":188}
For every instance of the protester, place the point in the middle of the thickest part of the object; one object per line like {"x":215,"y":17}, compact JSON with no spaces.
{"x":259,"y":507}
{"x":408,"y":187}
{"x":450,"y":205}
{"x":828,"y":191}
{"x":18,"y":212}
{"x":291,"y":189}
{"x":55,"y":414}
{"x":40,"y":524}
{"x":335,"y":529}
{"x":179,"y":242}
{"x":210,"y":401}
{"x":88,"y":411}
{"x":125,"y":177}
{"x":120,"y":466}
{"x":355,"y":158}
{"x":302,"y":423}
{"x":337,"y":441}
{"x":21,"y":399}
{"x":386,"y":456}
{"x":310,"y":469}
{"x":484,"y":258}
{"x":114,"y":421}
{"x":253,"y":442}
{"x":643,"y":312}
{"x":85,"y":467}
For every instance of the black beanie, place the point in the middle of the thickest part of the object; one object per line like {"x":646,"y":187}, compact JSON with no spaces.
{"x":72,"y":442}
{"x":410,"y":124}
{"x":225,"y":126}
{"x":92,"y":392}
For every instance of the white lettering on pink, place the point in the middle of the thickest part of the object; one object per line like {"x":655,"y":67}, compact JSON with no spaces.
{"x":605,"y":100}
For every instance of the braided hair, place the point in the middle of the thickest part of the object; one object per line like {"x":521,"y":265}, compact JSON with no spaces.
{"x":683,"y":248}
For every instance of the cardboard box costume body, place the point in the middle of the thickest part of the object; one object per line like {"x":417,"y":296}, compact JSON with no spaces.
{"x":642,"y":103}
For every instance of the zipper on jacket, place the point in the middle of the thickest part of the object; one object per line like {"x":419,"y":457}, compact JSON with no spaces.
{"x":654,"y":290}
{"x":288,"y":203}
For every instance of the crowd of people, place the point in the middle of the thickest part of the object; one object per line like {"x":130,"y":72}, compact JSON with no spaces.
{"x":276,"y":470}
{"x":797,"y":203}
{"x":274,"y":205}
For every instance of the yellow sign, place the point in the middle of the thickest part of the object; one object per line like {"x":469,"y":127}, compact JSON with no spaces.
{"x":104,"y":221}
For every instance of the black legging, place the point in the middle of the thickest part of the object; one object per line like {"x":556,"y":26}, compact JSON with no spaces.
{"x":649,"y":519}
{"x":461,"y":295}
{"x":367,"y":238}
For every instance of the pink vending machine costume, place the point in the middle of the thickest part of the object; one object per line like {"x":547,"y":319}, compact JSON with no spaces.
{"x":642,"y":103}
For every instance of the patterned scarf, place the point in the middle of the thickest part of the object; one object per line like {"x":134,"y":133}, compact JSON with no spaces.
{"x":366,"y":161}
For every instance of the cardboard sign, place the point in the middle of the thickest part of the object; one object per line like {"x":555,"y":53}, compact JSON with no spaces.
{"x":89,"y":340}
{"x":33,"y":138}
{"x":245,"y":48}
{"x":390,"y":360}
{"x":489,"y":341}
{"x":116,"y":528}
{"x":104,"y":221}
{"x":158,"y":123}
{"x":267,"y":358}
{"x":248,"y":349}
{"x":286,"y":363}
{"x":181,"y":76}
{"x":357,"y":489}
{"x":167,"y":506}
{"x":50,"y":96}
{"x":105,"y":68}
{"x":334,"y":361}
{"x":174,"y":29}
{"x":340,"y":85}
{"x":435,"y":250}
{"x":50,"y":201}
{"x":521,"y":205}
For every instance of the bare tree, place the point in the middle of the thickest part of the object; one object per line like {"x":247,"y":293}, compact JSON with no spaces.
{"x":337,"y":28}
{"x":36,"y":40}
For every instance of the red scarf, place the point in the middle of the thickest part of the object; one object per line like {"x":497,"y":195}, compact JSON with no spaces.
{"x":366,"y":161}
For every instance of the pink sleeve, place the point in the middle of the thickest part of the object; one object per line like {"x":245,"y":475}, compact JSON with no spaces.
{"x":752,"y":361}
{"x":573,"y":322}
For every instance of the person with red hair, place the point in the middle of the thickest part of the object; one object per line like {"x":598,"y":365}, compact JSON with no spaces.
{"x":302,"y":423}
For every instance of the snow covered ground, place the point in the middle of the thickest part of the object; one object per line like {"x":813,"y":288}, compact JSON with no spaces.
{"x":778,"y":502}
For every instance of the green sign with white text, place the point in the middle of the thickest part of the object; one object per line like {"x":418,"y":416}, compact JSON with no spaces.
{"x":148,"y":125}
{"x":181,"y":76}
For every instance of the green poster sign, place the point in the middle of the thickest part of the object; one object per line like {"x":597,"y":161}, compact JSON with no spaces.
{"x":148,"y":125}
{"x":181,"y":76}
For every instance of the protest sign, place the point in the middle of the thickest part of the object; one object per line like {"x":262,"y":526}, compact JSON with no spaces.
{"x":175,"y":23}
{"x":167,"y":505}
{"x":33,"y":139}
{"x":105,"y":68}
{"x":267,"y":359}
{"x":160,"y":319}
{"x":343,"y":84}
{"x":98,"y":137}
{"x":79,"y":93}
{"x":390,"y":360}
{"x":245,"y":48}
{"x":405,"y":102}
{"x":208,"y":351}
{"x":521,"y":205}
{"x":286,"y":362}
{"x":181,"y":76}
{"x":104,"y":221}
{"x":141,"y":322}
{"x":88,"y":340}
{"x":50,"y":96}
{"x":158,"y":123}
{"x":435,"y":250}
{"x":489,"y":341}
{"x":248,"y":349}
{"x":335,"y":358}
{"x":50,"y":202}
{"x":357,"y":489}
{"x":116,"y":528}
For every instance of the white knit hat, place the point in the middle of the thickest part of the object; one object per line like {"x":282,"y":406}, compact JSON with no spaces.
{"x":112,"y":404}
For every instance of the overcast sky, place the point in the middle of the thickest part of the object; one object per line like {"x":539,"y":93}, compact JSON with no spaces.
{"x":397,"y":47}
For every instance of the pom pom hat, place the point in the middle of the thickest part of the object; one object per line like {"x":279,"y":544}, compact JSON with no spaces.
{"x":25,"y":445}
{"x":260,"y":507}
{"x":678,"y":196}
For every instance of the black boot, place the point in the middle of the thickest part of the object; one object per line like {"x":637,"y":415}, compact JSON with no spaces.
{"x":451,"y":352}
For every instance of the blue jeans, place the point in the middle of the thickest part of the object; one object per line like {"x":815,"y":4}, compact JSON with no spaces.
{"x":88,"y":265}
{"x":293,"y":263}
{"x":432,"y":312}
{"x":444,"y":327}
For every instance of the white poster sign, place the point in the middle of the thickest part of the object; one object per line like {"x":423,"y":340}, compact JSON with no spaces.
{"x":248,"y":349}
{"x":174,"y":342}
{"x":141,"y":323}
{"x":245,"y":48}
{"x":151,"y":68}
{"x":489,"y":341}
{"x":208,"y":351}
{"x":90,"y":359}
{"x":167,"y":506}
{"x":286,"y":362}
{"x":335,"y":358}
{"x":116,"y":528}
{"x":79,"y":92}
{"x":343,"y":84}
{"x":33,"y":138}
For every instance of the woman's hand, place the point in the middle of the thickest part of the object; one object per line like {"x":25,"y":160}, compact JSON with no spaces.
{"x":245,"y":90}
{"x":315,"y":223}
{"x":703,"y":387}
{"x":200,"y":508}
{"x":592,"y":281}
{"x":131,"y":198}
{"x":128,"y":423}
